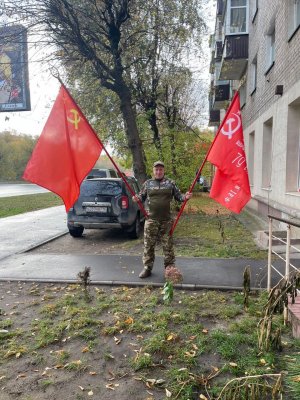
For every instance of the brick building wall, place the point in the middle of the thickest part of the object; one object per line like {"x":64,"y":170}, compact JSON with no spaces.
{"x":286,"y":69}
{"x":272,"y":122}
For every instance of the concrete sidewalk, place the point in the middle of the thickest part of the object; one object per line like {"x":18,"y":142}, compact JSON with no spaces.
{"x":22,"y":232}
{"x":123,"y":270}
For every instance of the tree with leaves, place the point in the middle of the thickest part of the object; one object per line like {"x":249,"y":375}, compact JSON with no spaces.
{"x":124,"y":45}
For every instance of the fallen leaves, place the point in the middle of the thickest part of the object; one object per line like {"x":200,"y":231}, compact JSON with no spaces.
{"x":112,"y":386}
{"x":117,"y":340}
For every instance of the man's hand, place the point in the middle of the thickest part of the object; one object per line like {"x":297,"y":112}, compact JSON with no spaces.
{"x":188,"y":195}
{"x":135,"y":199}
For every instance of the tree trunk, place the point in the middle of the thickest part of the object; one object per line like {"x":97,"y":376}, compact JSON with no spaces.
{"x":133,"y":139}
{"x":173,"y":154}
{"x":153,"y":124}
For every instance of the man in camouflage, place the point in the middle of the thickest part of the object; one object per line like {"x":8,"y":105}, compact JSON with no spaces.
{"x":159,"y":192}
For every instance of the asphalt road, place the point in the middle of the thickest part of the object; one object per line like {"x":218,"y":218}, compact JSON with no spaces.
{"x":19,"y":189}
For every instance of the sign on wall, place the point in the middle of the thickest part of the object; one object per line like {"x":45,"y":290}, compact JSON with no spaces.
{"x":14,"y":82}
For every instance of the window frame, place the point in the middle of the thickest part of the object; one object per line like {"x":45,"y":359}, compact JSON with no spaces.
{"x":293,"y":22}
{"x":228,"y":18}
{"x":255,"y":10}
{"x":253,"y":81}
{"x":271,"y":49}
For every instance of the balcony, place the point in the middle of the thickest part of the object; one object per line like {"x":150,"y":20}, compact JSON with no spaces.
{"x":214,"y":118}
{"x":221,"y":96}
{"x":220,"y":7}
{"x":235,"y":57}
{"x":218,"y":51}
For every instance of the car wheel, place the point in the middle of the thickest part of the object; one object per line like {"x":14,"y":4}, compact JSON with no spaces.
{"x":134,"y":232}
{"x":76,"y":231}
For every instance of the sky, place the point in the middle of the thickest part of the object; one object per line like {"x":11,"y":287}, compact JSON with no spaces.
{"x":44,"y":87}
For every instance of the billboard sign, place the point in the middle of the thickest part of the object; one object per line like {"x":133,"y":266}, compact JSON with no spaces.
{"x":14,"y":82}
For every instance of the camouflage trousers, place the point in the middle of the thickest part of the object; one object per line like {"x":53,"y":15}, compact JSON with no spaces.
{"x":158,"y":232}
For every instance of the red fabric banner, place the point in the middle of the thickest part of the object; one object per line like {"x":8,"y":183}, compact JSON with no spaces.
{"x":66,"y":151}
{"x":230,"y":186}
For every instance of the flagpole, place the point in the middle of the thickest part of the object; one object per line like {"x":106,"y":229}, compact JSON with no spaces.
{"x":200,"y":169}
{"x":108,"y":155}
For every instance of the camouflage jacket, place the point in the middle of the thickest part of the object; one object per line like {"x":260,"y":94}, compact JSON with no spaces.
{"x":159,"y":194}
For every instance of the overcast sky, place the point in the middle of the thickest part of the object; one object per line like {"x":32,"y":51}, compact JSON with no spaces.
{"x":44,"y":88}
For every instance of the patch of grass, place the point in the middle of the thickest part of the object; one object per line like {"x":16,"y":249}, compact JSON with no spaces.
{"x":77,"y":366}
{"x":200,"y":236}
{"x":6,"y":323}
{"x":292,"y":367}
{"x":61,"y":356}
{"x":142,"y":361}
{"x":21,"y":204}
{"x":47,"y":332}
{"x":11,"y":346}
{"x":45,"y":383}
{"x":181,"y":383}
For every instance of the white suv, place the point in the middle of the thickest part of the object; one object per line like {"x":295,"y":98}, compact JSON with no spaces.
{"x":102,"y":173}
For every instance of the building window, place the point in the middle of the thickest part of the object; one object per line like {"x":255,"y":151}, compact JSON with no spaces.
{"x":253,"y":75}
{"x":254,"y":9}
{"x":251,"y":158}
{"x":270,"y":49}
{"x":294,"y":16}
{"x":237,"y":16}
{"x":243,"y":95}
{"x":267,"y":154}
{"x":293,"y":148}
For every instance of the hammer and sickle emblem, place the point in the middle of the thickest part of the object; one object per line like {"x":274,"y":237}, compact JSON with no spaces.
{"x":230,"y":123}
{"x":76,"y":119}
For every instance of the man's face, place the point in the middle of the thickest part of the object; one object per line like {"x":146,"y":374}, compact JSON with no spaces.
{"x":158,"y":172}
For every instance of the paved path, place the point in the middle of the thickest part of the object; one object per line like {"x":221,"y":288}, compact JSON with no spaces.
{"x":20,"y":233}
{"x":24,"y":231}
{"x":124,"y":269}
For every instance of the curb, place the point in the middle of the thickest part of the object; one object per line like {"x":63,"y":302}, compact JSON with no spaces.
{"x":35,"y":246}
{"x":183,"y":286}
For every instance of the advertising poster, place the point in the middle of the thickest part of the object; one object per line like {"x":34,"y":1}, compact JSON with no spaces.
{"x":14,"y":83}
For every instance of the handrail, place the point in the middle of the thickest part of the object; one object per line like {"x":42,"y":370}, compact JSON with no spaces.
{"x":288,"y":264}
{"x":289,"y":222}
{"x":287,"y":242}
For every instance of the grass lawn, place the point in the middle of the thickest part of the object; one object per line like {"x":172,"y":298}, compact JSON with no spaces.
{"x":21,"y":204}
{"x":126,"y":343}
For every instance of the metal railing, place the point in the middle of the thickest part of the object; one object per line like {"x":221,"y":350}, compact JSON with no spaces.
{"x":287,"y":243}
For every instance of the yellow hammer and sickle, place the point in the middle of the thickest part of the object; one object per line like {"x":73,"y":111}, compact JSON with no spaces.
{"x":76,"y":119}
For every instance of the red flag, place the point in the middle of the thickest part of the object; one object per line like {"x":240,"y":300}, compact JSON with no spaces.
{"x":230,"y":186}
{"x":66,"y":151}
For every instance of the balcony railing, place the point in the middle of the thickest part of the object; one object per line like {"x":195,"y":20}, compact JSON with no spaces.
{"x":222,"y":92}
{"x":236,"y":47}
{"x":235,"y":57}
{"x":214,"y":117}
{"x":218,"y":50}
{"x":221,"y":96}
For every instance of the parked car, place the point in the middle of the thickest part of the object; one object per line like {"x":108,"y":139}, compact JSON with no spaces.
{"x":106,"y":203}
{"x":102,"y":173}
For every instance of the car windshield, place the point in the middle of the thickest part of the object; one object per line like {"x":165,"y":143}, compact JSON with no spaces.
{"x":100,"y":187}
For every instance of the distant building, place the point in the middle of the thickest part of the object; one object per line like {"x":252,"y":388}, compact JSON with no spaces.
{"x":256,"y":47}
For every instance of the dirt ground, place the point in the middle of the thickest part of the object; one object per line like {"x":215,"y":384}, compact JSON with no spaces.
{"x":76,"y":362}
{"x":54,"y":344}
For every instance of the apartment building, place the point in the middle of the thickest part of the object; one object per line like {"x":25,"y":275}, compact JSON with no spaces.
{"x":256,"y":50}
